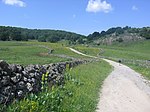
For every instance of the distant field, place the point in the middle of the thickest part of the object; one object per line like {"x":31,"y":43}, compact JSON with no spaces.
{"x":135,"y":50}
{"x":88,"y":50}
{"x":130,"y":51}
{"x":33,"y":52}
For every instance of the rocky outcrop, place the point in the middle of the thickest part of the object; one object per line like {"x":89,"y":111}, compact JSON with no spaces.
{"x":16,"y":81}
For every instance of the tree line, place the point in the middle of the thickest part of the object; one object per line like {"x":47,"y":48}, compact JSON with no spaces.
{"x":8,"y":33}
{"x":144,"y":32}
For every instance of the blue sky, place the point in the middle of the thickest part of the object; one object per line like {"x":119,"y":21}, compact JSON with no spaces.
{"x":80,"y":16}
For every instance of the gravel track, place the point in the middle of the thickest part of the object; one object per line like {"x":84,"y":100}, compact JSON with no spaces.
{"x":124,"y":90}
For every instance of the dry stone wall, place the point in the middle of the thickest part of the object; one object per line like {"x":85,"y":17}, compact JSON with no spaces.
{"x":16,"y":81}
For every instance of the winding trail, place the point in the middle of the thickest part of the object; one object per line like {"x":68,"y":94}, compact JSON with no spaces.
{"x":124,"y":90}
{"x":81,"y":53}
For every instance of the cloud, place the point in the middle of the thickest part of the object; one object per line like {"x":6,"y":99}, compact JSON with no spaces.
{"x":98,"y":6}
{"x":15,"y":2}
{"x":134,"y":8}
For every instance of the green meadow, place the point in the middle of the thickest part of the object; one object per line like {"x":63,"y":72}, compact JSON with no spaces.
{"x":82,"y":83}
{"x":79,"y":81}
{"x":130,"y":51}
{"x":33,"y":52}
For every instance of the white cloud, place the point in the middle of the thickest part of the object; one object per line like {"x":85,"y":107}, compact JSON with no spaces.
{"x":134,"y":8}
{"x":98,"y":6}
{"x":15,"y":2}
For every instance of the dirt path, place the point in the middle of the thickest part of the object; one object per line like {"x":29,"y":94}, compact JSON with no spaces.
{"x":124,"y":90}
{"x":81,"y":53}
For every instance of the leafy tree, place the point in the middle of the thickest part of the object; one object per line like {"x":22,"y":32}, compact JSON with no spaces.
{"x":4,"y":36}
{"x":120,"y":40}
{"x":119,"y":30}
{"x":53,"y":39}
{"x":103,"y":33}
{"x":19,"y":34}
{"x":145,"y":32}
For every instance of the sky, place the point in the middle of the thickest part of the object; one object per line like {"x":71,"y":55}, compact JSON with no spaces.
{"x":79,"y":16}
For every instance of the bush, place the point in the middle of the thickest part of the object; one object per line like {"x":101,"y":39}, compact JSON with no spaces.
{"x":120,"y":40}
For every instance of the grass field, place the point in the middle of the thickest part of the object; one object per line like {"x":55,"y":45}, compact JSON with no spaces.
{"x":80,"y":93}
{"x":133,"y":50}
{"x":74,"y":96}
{"x":130,"y":51}
{"x":33,"y":52}
{"x":88,"y":50}
{"x":86,"y":96}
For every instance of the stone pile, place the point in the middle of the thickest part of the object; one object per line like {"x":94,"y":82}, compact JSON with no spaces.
{"x":16,"y":81}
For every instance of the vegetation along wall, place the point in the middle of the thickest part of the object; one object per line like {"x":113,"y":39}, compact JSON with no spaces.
{"x":16,"y":81}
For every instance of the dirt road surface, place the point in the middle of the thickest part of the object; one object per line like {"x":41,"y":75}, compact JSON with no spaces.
{"x":124,"y":90}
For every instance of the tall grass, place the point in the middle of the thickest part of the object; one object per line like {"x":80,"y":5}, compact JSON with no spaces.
{"x":85,"y":95}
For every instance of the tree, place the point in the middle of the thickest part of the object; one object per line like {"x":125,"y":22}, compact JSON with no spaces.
{"x":53,"y":39}
{"x":119,"y":40}
{"x":16,"y":35}
{"x":119,"y":30}
{"x":80,"y":41}
{"x":103,"y":33}
{"x":4,"y":36}
{"x":145,"y":32}
{"x":42,"y":39}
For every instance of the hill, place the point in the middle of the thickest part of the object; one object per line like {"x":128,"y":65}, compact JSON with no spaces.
{"x":119,"y":34}
{"x":112,"y":35}
{"x":44,"y":35}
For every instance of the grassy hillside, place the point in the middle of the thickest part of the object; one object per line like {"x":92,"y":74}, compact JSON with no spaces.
{"x":33,"y":52}
{"x":88,"y":50}
{"x":8,"y":33}
{"x":132,"y":52}
{"x":119,"y":35}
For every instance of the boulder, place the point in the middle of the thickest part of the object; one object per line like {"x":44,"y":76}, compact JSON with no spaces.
{"x":6,"y":90}
{"x":16,"y":78}
{"x":3,"y":64}
{"x":5,"y":80}
{"x":3,"y":99}
{"x":20,"y":94}
{"x":20,"y":68}
{"x":30,"y":69}
{"x":13,"y":67}
{"x":5,"y":67}
{"x":25,"y":79}
{"x":29,"y":87}
{"x":20,"y":85}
